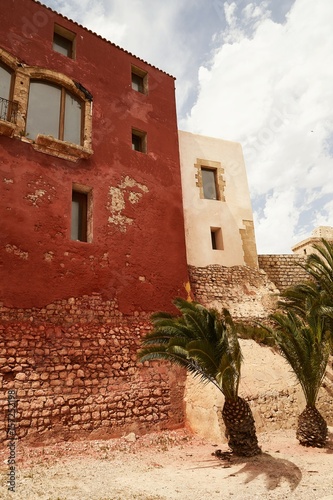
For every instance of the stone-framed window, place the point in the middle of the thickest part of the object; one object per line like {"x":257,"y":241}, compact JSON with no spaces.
{"x":54,"y":111}
{"x":81,"y":213}
{"x":72,"y":139}
{"x":210,"y":179}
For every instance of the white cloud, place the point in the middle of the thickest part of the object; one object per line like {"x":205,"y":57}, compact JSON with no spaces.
{"x":229,"y":12}
{"x":271,"y":232}
{"x":271,"y":89}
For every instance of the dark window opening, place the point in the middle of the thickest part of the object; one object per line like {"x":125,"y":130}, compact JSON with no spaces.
{"x":216,"y":238}
{"x":209,"y":183}
{"x":213,"y":235}
{"x":79,"y":228}
{"x":139,"y":141}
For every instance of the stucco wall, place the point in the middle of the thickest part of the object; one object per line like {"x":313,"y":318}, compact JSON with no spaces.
{"x":232,"y":212}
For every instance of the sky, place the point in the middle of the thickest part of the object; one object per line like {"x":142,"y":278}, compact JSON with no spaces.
{"x":259,"y":73}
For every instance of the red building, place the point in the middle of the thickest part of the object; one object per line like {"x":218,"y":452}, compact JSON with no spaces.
{"x":92,"y":236}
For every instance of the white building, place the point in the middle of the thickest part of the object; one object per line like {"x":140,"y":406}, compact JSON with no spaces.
{"x":218,"y":215}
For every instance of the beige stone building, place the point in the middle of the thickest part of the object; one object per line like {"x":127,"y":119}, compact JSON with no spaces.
{"x":217,"y":207}
{"x":305,"y":247}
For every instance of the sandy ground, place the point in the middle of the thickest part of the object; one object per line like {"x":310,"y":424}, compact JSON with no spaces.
{"x":169,"y":465}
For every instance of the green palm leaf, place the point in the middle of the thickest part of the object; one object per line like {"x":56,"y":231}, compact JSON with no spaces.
{"x":201,"y":340}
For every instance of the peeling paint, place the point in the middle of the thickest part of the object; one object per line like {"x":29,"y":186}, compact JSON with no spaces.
{"x":36,"y":196}
{"x":48,"y":256}
{"x":117,"y":203}
{"x":17,"y":251}
{"x":8,"y":181}
{"x":43,"y":190}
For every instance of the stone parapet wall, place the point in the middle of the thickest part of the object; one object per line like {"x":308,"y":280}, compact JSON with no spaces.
{"x":246,"y":292}
{"x":73,"y":366}
{"x":283,"y":270}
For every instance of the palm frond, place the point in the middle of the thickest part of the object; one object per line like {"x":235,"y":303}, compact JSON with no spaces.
{"x":201,"y":340}
{"x":305,"y":345}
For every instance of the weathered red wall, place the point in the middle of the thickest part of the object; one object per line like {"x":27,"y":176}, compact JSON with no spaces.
{"x":73,"y":313}
{"x":36,"y":252}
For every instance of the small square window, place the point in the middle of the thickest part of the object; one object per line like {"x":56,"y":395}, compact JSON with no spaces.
{"x":216,"y":237}
{"x":209,"y":183}
{"x":139,"y":80}
{"x":81,"y":222}
{"x":64,"y":41}
{"x":139,"y":141}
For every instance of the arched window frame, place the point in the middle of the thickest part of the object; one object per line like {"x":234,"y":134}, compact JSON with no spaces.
{"x":62,"y":109}
{"x":22,"y":75}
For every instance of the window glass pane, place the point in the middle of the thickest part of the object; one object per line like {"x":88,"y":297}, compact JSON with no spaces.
{"x":62,"y":45}
{"x":208,"y":183}
{"x":43,"y":110}
{"x":75,"y":229}
{"x":79,"y":216}
{"x":5,"y":82}
{"x":137,"y":83}
{"x":72,"y":126}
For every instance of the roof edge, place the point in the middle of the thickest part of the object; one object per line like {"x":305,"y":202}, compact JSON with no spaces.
{"x":102,"y":38}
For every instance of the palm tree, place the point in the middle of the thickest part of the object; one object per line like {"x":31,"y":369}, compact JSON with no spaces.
{"x":206,"y":344}
{"x":304,"y":341}
{"x":317,"y":293}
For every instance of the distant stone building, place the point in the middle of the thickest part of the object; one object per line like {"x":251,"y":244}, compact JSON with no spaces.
{"x":305,"y":247}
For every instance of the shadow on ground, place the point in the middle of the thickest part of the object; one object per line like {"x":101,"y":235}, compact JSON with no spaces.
{"x":274,"y":470}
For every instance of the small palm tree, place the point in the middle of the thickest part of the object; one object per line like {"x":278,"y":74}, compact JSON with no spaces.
{"x":304,"y":341}
{"x":206,"y":344}
{"x":317,"y":293}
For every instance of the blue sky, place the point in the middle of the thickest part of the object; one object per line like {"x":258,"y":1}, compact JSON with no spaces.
{"x":256,"y":72}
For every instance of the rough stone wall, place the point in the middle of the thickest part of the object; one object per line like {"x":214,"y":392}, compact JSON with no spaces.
{"x":245,"y":291}
{"x":74,"y":368}
{"x":283,"y":270}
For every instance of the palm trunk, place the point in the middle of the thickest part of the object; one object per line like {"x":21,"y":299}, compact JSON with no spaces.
{"x":312,"y":428}
{"x":240,"y":428}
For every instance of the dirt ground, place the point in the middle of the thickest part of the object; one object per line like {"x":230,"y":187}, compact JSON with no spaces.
{"x":169,"y":465}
